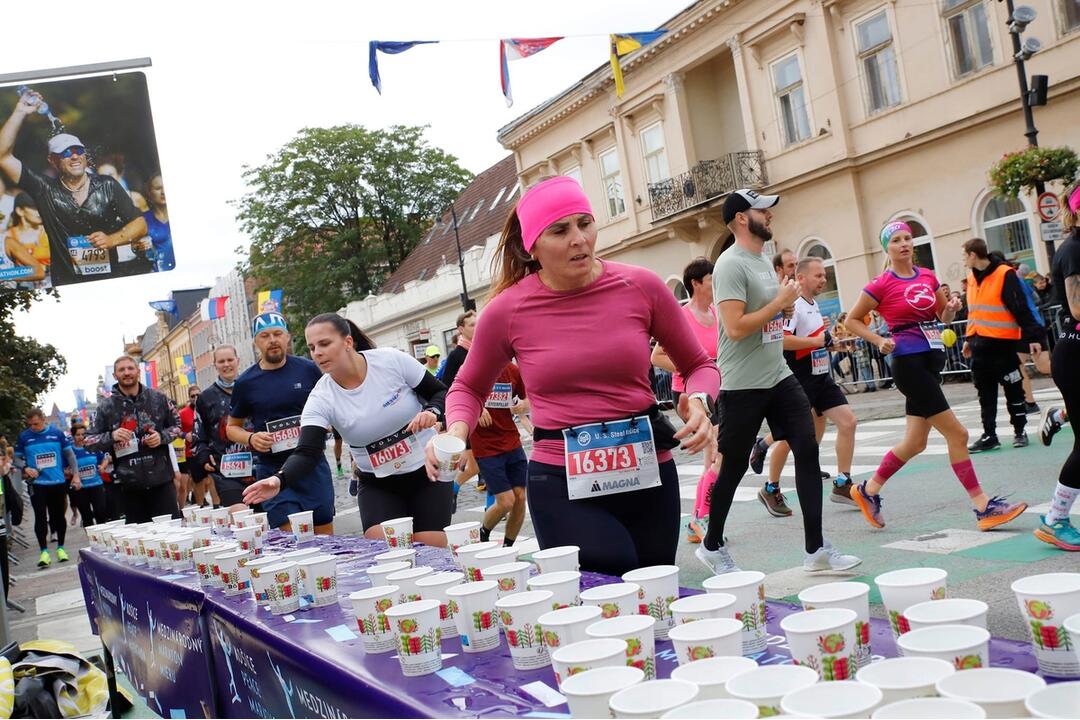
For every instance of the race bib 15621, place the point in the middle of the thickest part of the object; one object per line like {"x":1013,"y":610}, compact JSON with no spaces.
{"x":236,"y":465}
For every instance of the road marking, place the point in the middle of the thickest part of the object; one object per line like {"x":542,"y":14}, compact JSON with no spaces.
{"x":794,"y":580}
{"x":946,"y":542}
{"x":59,"y":601}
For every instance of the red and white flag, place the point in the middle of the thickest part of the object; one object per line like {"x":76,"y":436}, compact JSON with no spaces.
{"x":516,"y":49}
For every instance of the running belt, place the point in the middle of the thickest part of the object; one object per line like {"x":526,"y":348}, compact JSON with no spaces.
{"x":663,"y":430}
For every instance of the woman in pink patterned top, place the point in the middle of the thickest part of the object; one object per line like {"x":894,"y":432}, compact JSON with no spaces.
{"x":601,"y":474}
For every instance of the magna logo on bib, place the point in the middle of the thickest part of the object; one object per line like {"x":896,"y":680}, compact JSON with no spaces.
{"x":620,"y":484}
{"x":920,"y":296}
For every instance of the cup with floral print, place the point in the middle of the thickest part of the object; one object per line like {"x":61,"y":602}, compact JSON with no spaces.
{"x":703,"y":639}
{"x":203,"y":562}
{"x":220,"y":519}
{"x":557,"y":559}
{"x":234,"y":578}
{"x":303,"y":526}
{"x":519,"y":615}
{"x":260,"y":582}
{"x":765,"y":686}
{"x":419,"y":636}
{"x":661,"y":699}
{"x":948,"y":611}
{"x":188,"y":513}
{"x":659,"y":588}
{"x":377,"y":574}
{"x":461,"y":534}
{"x":1045,"y":602}
{"x":200,"y":536}
{"x":703,"y":607}
{"x":823,"y":640}
{"x":587,"y":693}
{"x":407,"y":555}
{"x":215,"y":567}
{"x":495,"y":556}
{"x":406,"y":580}
{"x":967,"y":647}
{"x":318,"y":579}
{"x":567,"y":625}
{"x":398,"y":532}
{"x":565,"y":584}
{"x":369,"y":607}
{"x":509,"y":577}
{"x":467,"y":558}
{"x":587,"y":655}
{"x":284,"y":591}
{"x":900,"y":589}
{"x":433,"y":587}
{"x":853,"y":596}
{"x":204,"y":517}
{"x":748,"y":587}
{"x":245,"y":538}
{"x":637,"y":631}
{"x":477,"y":622}
{"x":613,"y":599}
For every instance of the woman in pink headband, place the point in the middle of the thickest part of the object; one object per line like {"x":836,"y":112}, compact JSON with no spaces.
{"x":601,"y":475}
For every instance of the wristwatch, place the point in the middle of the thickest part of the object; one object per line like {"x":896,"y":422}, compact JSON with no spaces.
{"x":436,"y":412}
{"x":710,"y":406}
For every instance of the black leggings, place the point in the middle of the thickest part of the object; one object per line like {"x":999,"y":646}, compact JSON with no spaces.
{"x":616,"y":533}
{"x":1065,"y":369}
{"x":91,"y":504}
{"x":49,"y":500}
{"x":788,"y":411}
{"x":141,"y":504}
{"x":996,"y":363}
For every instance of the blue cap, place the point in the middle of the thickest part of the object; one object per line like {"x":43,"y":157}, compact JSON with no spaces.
{"x":267,"y":321}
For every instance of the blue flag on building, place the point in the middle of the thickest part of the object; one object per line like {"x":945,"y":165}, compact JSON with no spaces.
{"x":166,"y":306}
{"x":391,"y":48}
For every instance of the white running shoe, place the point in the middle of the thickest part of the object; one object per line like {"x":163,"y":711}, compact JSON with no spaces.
{"x":719,"y":560}
{"x":829,"y":559}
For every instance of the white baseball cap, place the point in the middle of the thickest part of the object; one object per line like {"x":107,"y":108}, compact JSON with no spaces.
{"x":60,"y":143}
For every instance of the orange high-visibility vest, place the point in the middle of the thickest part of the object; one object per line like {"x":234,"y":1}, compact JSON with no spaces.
{"x":987,"y":314}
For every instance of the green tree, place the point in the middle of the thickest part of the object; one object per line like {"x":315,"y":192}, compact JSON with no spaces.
{"x":27,"y":368}
{"x":336,"y":210}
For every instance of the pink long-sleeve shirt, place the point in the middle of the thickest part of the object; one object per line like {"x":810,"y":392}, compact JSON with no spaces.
{"x":583,"y":354}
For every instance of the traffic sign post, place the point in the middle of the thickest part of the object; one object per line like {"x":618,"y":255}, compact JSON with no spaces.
{"x":1048,"y":207}
{"x":1051,"y":231}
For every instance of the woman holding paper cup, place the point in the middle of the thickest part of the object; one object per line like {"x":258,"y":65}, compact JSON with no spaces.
{"x":385,"y":406}
{"x":601,"y":475}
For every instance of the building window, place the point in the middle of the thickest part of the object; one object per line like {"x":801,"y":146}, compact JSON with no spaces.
{"x":791,"y":99}
{"x":877,"y":57}
{"x":679,"y":291}
{"x":652,"y":147}
{"x":612,"y":177}
{"x":968,"y":30}
{"x":1006,"y":228}
{"x":448,"y":338}
{"x":1072,"y":14}
{"x":924,"y":244}
{"x":575,"y":172}
{"x":829,"y":299}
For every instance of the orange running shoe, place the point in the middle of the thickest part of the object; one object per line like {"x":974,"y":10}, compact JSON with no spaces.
{"x":869,"y":504}
{"x":998,"y":512}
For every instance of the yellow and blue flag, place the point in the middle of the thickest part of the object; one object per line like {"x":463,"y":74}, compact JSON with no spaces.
{"x":269,"y":301}
{"x":623,"y":44}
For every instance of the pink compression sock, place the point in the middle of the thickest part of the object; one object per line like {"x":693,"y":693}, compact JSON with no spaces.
{"x":888,"y":467}
{"x":965,"y":473}
{"x":704,"y":492}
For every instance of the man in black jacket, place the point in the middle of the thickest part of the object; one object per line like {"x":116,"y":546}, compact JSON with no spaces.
{"x":135,"y":425}
{"x":466,"y":326}
{"x":231,"y":465}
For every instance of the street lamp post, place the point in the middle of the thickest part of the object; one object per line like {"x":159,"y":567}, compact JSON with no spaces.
{"x":466,"y":302}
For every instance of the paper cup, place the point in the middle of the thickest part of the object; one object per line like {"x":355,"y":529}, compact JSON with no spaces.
{"x":1072,"y":626}
{"x":377,"y":573}
{"x":204,"y":516}
{"x":1054,"y":701}
{"x":587,"y":693}
{"x":130,"y":545}
{"x":369,"y":608}
{"x":823,"y":640}
{"x":234,"y":581}
{"x":715,"y":637}
{"x":853,"y":596}
{"x":318,"y":576}
{"x":748,"y":587}
{"x":900,"y":589}
{"x":659,"y":588}
{"x":495,"y":556}
{"x":245,"y":538}
{"x":219,"y":518}
{"x":260,"y":519}
{"x":398,"y":532}
{"x":162,"y":518}
{"x":406,"y":580}
{"x":765,"y":686}
{"x":929,"y":709}
{"x":150,"y":549}
{"x":448,"y":450}
{"x":406,"y":555}
{"x":967,"y":647}
{"x":461,"y":534}
{"x":303,"y":526}
{"x":215,"y":567}
{"x":564,"y":585}
{"x":906,"y":678}
{"x":587,"y":655}
{"x":726,"y":708}
{"x":433,"y":587}
{"x":477,"y":624}
{"x":948,"y":611}
{"x":238,"y":514}
{"x":298,"y":555}
{"x":260,"y":582}
{"x":613,"y":599}
{"x":557,"y":559}
{"x":712,"y":674}
{"x":637,"y":631}
{"x":283,"y":591}
{"x":201,"y":536}
{"x":703,"y":607}
{"x":203,"y":564}
{"x":1045,"y":601}
{"x":509,"y":577}
{"x":188,"y":513}
{"x":419,"y":637}
{"x":846,"y":699}
{"x":567,"y":625}
{"x":467,"y":558}
{"x":519,"y":615}
{"x":180,"y":547}
{"x":1000,"y":692}
{"x":652,"y":698}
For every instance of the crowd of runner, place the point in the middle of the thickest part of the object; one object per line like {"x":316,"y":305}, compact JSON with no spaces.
{"x":564,"y":348}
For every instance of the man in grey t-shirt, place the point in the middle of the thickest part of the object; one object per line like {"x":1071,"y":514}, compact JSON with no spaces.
{"x":758,"y":384}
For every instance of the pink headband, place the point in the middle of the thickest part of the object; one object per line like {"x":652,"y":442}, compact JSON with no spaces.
{"x":1074,"y":200}
{"x":548,"y":202}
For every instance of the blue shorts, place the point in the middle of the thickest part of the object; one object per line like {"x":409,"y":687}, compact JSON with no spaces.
{"x":505,"y":471}
{"x":314,"y":492}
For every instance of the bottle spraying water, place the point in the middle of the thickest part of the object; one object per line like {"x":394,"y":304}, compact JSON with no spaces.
{"x":43,"y":109}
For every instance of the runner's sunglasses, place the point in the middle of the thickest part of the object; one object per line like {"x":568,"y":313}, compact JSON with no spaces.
{"x":73,"y":150}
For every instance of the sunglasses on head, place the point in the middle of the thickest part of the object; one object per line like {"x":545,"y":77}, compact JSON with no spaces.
{"x":73,"y":150}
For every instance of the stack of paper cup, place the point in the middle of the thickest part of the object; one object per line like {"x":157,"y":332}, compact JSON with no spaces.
{"x":237,"y":515}
{"x":659,"y":588}
{"x":748,"y":587}
{"x":461,"y":534}
{"x":406,"y":555}
{"x":448,"y":450}
{"x":1045,"y":602}
{"x":1001,"y":692}
{"x":613,"y":599}
{"x":765,"y":686}
{"x":369,"y":607}
{"x":832,"y":700}
{"x":587,"y":693}
{"x":823,"y":640}
{"x":715,"y":637}
{"x":519,"y":615}
{"x":398,"y":532}
{"x":556,"y":559}
{"x":467,"y":558}
{"x":900,"y":589}
{"x":904,"y":678}
{"x":711,"y":674}
{"x":509,"y":577}
{"x":967,"y":647}
{"x":477,"y":624}
{"x":303,"y":526}
{"x":851,"y":595}
{"x":565,"y":585}
{"x":703,"y":607}
{"x":419,"y":638}
{"x":318,"y":576}
{"x":203,"y":564}
{"x":587,"y":655}
{"x":433,"y":587}
{"x":567,"y":625}
{"x":406,"y":580}
{"x":637,"y":631}
{"x":652,"y":698}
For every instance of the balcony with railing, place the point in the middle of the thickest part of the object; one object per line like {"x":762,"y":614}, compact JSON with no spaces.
{"x":707,"y":180}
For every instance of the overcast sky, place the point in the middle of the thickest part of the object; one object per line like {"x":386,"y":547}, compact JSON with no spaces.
{"x":232,"y":82}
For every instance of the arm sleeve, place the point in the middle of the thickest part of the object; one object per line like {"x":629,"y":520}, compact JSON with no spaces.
{"x":489,"y":354}
{"x":72,"y":461}
{"x":100,"y":435}
{"x":1012,"y":295}
{"x":432,"y":392}
{"x":454,"y":361}
{"x":671,"y":328}
{"x":311,"y":447}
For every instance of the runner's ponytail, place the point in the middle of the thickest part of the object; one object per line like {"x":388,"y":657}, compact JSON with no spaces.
{"x":345,"y":328}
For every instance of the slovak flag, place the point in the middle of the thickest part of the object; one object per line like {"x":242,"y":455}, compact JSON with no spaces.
{"x":516,"y":49}
{"x":213,"y":308}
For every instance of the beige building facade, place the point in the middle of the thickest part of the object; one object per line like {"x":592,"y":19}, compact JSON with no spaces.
{"x":857,"y":113}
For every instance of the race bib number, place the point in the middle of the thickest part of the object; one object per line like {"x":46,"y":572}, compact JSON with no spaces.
{"x":86,"y":472}
{"x":236,"y":465}
{"x":128,"y":447}
{"x":819,"y":362}
{"x":89,"y":260}
{"x":609,"y":458}
{"x":501,"y":396}
{"x":44,"y":461}
{"x":773,"y":330}
{"x":284,"y":433}
{"x":393,"y":452}
{"x":178,"y":443}
{"x":932,"y":333}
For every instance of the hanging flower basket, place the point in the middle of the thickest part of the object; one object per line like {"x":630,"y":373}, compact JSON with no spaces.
{"x":1021,"y":170}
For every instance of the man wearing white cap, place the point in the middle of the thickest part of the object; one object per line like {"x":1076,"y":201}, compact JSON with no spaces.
{"x":86,"y":216}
